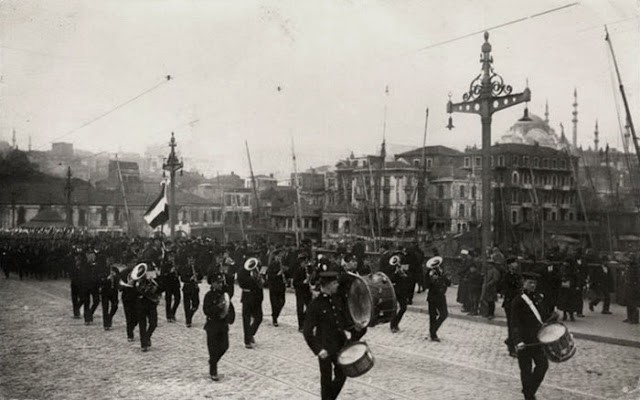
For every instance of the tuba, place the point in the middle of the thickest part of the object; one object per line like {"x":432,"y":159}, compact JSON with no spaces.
{"x":252,"y":265}
{"x":396,"y":262}
{"x":144,"y":282}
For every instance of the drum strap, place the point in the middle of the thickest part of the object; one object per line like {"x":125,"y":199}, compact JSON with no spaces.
{"x":533,"y":308}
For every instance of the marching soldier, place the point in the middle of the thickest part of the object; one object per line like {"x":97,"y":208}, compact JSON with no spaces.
{"x":190,"y":290}
{"x":147,"y":300}
{"x":109,"y":297}
{"x":277,"y":286}
{"x":251,"y":282}
{"x":510,"y":288}
{"x":129,"y":295}
{"x":397,"y":270}
{"x":528,"y":314}
{"x":172,"y":285}
{"x":437,"y":283}
{"x":74,"y":275}
{"x":216,"y":307}
{"x":324,"y":331}
{"x":301,"y":286}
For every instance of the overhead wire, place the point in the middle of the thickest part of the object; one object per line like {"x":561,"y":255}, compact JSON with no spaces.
{"x":117,"y":107}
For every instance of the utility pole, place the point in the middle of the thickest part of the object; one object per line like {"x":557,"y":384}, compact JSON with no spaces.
{"x":172,"y":165}
{"x":253,"y":183}
{"x":297,"y":186}
{"x":124,"y":195}
{"x":487,"y":94}
{"x":68,"y":189}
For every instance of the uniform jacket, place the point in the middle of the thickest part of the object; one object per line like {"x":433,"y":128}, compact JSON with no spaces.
{"x":211,"y":308}
{"x":251,"y":287}
{"x":324,"y":325}
{"x":437,"y":283}
{"x":525,"y":323}
{"x":275,"y":277}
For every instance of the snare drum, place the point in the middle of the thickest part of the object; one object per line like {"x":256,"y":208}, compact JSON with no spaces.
{"x":371,"y":300}
{"x":355,"y":359}
{"x":556,"y":341}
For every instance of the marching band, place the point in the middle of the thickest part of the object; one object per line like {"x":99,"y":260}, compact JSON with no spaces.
{"x":337,"y":299}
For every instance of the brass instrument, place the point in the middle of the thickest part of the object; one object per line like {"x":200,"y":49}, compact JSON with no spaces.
{"x":400,"y":269}
{"x":256,"y":271}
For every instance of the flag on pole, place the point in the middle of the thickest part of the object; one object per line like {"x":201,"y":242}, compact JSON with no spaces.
{"x":158,"y":211}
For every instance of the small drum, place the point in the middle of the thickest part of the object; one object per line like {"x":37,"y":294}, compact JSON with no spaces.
{"x":557,"y":341}
{"x":371,"y":300}
{"x":355,"y":359}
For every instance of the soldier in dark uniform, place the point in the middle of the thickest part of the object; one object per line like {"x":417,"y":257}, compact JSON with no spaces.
{"x":601,"y":280}
{"x":528,"y":315}
{"x":172,"y":285}
{"x":147,"y":300}
{"x":74,"y":275}
{"x":300,"y":276}
{"x":398,"y":271}
{"x":277,"y":286}
{"x":190,"y":290}
{"x":510,"y":288}
{"x":437,"y":283}
{"x":324,"y":331}
{"x":109,"y":297}
{"x":251,"y":282}
{"x":129,"y":295}
{"x":217,"y":327}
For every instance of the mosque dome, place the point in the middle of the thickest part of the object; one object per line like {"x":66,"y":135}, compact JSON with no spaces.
{"x":530,"y":131}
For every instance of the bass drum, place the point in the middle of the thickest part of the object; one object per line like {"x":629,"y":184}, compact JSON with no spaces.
{"x":371,"y":300}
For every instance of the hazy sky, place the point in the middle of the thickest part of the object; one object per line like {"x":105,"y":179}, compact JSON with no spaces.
{"x":65,"y":63}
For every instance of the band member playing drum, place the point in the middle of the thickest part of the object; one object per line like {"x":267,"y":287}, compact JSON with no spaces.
{"x":528,"y":314}
{"x":437,"y":283}
{"x":251,"y":281}
{"x":277,"y":286}
{"x":216,"y":307}
{"x":324,"y":331}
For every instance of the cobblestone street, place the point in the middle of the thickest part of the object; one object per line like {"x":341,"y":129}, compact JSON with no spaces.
{"x":45,"y":354}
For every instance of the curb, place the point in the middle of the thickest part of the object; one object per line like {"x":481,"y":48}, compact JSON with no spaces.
{"x":577,"y":335}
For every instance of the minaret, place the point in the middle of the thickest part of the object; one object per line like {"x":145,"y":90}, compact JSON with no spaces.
{"x":575,"y":117}
{"x":546,"y":112}
{"x":595,"y":134}
{"x":13,"y":140}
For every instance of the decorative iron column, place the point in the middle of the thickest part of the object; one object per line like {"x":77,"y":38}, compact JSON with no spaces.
{"x":487,"y":94}
{"x":172,"y":165}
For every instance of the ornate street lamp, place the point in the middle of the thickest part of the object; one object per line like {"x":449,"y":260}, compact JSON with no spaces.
{"x":487,"y":94}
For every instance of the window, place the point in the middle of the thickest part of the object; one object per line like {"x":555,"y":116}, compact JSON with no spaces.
{"x":461,"y":211}
{"x":21,"y":215}
{"x":440,"y":209}
{"x":440,"y":191}
{"x":364,"y":164}
{"x":473,"y":192}
{"x":514,"y":162}
{"x":514,"y":197}
{"x":462,"y":192}
{"x":429,"y":163}
{"x":334,"y":226}
{"x":473,"y":211}
{"x":347,"y":227}
{"x":205,"y":217}
{"x":467,"y":162}
{"x":525,"y":161}
{"x":116,"y":216}
{"x":416,"y":163}
{"x":563,"y":164}
{"x":500,"y":161}
{"x":103,"y":216}
{"x":553,"y":163}
{"x":478,"y":162}
{"x":570,"y":216}
{"x":553,"y":215}
{"x":545,"y":163}
{"x":515,"y":178}
{"x":514,"y":217}
{"x":82,"y":217}
{"x":536,"y":162}
{"x":325,"y":226}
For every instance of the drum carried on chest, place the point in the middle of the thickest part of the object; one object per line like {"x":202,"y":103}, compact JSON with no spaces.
{"x":557,"y":342}
{"x":371,"y":300}
{"x":355,"y":359}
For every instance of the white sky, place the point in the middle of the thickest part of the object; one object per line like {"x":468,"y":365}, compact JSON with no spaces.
{"x":63,"y":63}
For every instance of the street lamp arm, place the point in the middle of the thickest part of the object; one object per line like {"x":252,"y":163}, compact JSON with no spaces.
{"x":502,"y":102}
{"x":469,"y":107}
